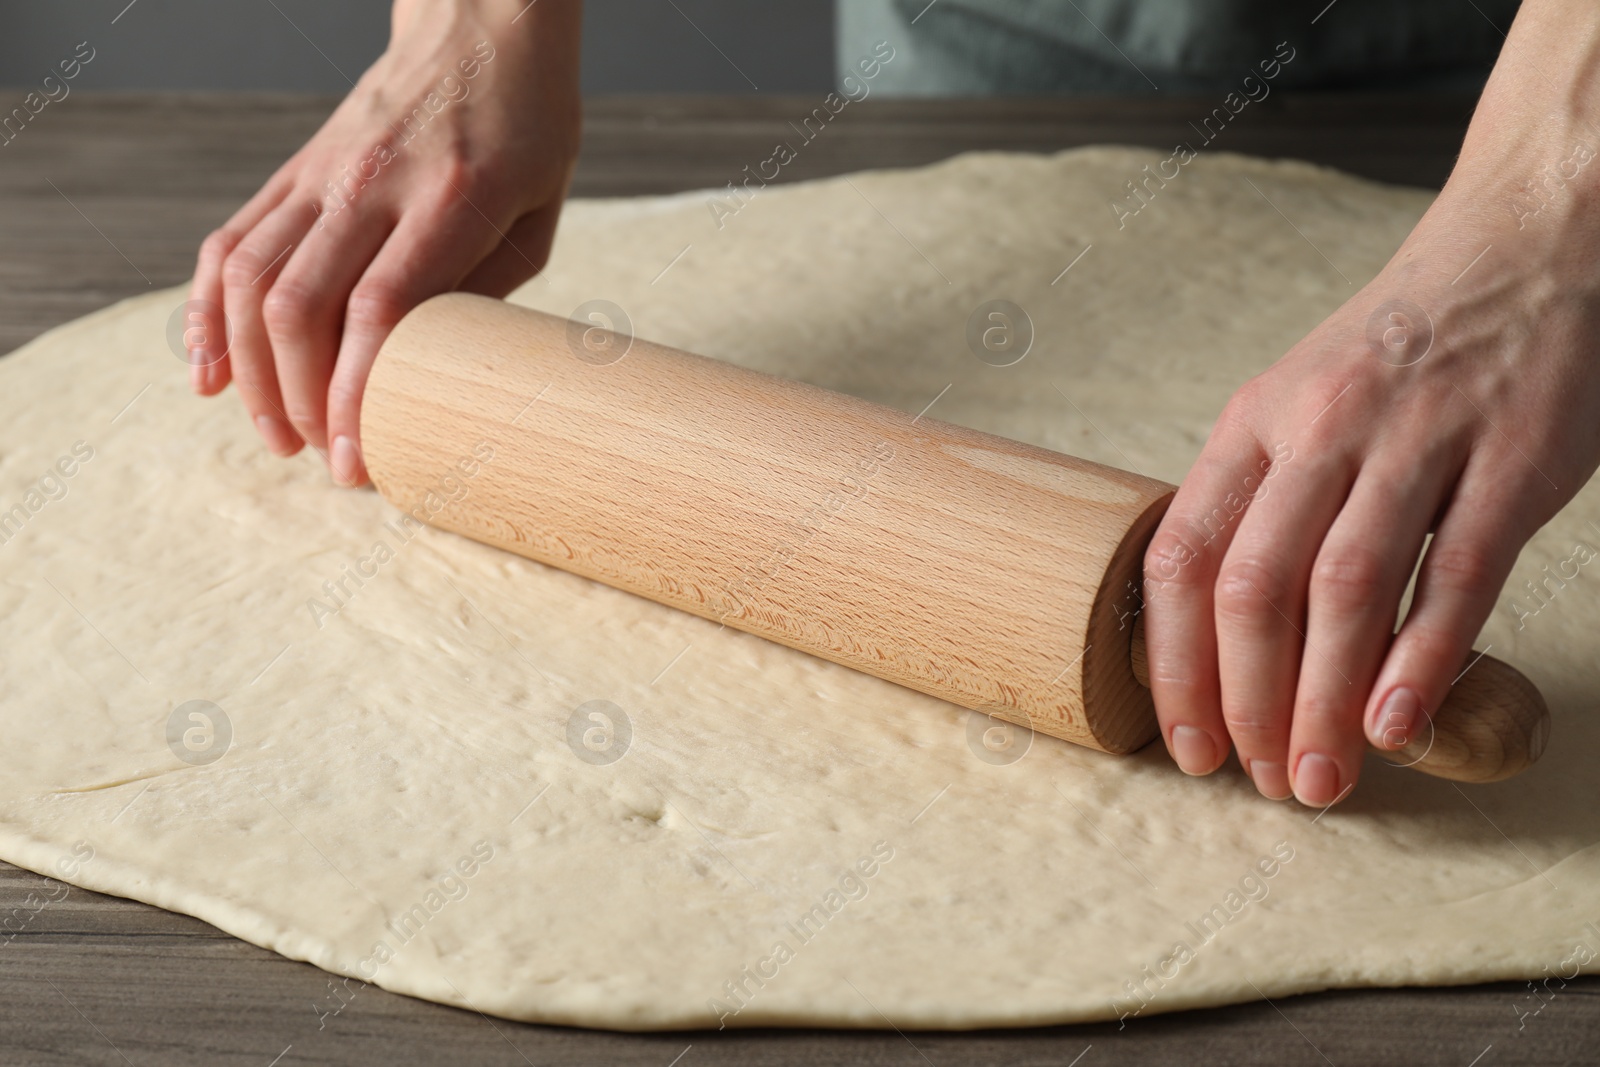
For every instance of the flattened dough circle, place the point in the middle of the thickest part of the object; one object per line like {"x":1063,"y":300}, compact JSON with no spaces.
{"x":399,"y":768}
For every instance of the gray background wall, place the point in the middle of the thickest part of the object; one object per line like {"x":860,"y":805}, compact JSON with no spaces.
{"x":304,"y":45}
{"x":948,"y":48}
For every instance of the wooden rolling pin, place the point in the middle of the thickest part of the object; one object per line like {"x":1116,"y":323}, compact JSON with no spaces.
{"x":999,"y":576}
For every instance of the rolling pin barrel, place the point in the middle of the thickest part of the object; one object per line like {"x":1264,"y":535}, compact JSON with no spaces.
{"x":993,"y":574}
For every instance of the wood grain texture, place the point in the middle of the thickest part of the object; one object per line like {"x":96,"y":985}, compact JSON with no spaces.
{"x":996,"y":575}
{"x":1493,"y":724}
{"x":90,"y":979}
{"x":957,"y":563}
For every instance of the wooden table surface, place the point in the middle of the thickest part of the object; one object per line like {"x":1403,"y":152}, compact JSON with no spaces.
{"x":104,"y":197}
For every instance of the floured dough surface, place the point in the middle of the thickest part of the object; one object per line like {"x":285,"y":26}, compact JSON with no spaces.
{"x":408,"y":791}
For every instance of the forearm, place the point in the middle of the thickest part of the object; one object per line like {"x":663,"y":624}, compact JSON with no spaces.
{"x":556,"y":22}
{"x":1528,"y":160}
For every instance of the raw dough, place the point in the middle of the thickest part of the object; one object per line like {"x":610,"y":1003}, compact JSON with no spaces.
{"x":399,"y":770}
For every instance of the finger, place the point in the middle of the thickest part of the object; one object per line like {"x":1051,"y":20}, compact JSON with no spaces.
{"x":1360,"y":575}
{"x":1180,"y":568}
{"x":247,"y":275}
{"x":304,"y":311}
{"x":1260,"y":607}
{"x":208,"y":359}
{"x":1472,"y":553}
{"x":206,"y":337}
{"x":432,"y":249}
{"x":522,"y":254}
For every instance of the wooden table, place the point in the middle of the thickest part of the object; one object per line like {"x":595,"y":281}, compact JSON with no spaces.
{"x":104,"y":197}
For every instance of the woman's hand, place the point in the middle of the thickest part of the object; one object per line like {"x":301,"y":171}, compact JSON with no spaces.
{"x":1455,"y":395}
{"x":444,"y":169}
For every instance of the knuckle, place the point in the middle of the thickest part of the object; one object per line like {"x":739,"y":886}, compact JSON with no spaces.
{"x":1221,"y":513}
{"x":1170,"y":561}
{"x":1326,"y":721}
{"x":1255,"y":732}
{"x":344,"y":397}
{"x":1327,"y":440}
{"x":306,"y":419}
{"x":1249,"y":590}
{"x":1322,"y":414}
{"x":255,"y":380}
{"x":1347,"y":577}
{"x":1433,"y":647}
{"x":453,"y":185}
{"x":1465,"y":568}
{"x":375,"y":306}
{"x":288,"y":307}
{"x":1243,"y":403}
{"x":215,"y":248}
{"x":242,"y":267}
{"x":457,"y":172}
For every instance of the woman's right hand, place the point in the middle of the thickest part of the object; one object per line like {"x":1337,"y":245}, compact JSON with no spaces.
{"x":444,"y":169}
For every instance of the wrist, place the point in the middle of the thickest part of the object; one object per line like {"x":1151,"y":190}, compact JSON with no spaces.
{"x":523,"y":53}
{"x":549,"y":26}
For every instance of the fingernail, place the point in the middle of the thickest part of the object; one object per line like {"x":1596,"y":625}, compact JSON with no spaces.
{"x":1194,"y":750}
{"x":345,"y":461}
{"x":1271,"y":779}
{"x":279,"y":436}
{"x":1396,"y":720}
{"x":1316,"y":780}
